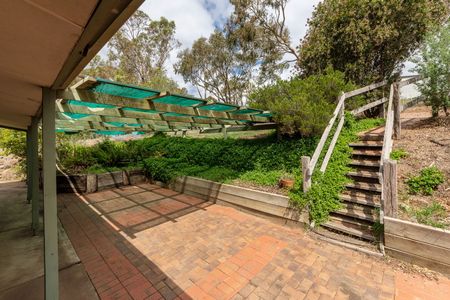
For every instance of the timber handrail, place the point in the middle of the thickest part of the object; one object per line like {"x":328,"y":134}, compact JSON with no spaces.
{"x":309,"y":164}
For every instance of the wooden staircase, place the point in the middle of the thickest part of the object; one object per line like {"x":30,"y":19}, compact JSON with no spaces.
{"x":361,"y":198}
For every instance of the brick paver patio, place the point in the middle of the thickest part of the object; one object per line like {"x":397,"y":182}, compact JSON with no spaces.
{"x":145,"y":242}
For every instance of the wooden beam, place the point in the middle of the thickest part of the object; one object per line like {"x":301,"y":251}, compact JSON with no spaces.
{"x":408,"y":81}
{"x":242,"y":128}
{"x":365,"y":89}
{"x":104,"y":22}
{"x":332,"y":144}
{"x":326,"y":132}
{"x":368,"y":106}
{"x":148,"y":104}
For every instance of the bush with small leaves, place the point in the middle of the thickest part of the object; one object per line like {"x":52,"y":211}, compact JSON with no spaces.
{"x":426,"y":182}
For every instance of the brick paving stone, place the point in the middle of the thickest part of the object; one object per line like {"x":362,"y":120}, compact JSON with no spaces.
{"x":115,"y":204}
{"x":144,"y":197}
{"x":128,"y":190}
{"x":169,"y":245}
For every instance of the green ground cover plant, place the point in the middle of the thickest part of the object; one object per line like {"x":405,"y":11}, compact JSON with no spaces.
{"x":433,"y":214}
{"x":323,"y":197}
{"x":426,"y":182}
{"x":260,"y":160}
{"x":398,"y":154}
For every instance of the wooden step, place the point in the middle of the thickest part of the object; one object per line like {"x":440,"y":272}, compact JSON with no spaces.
{"x":375,"y":153}
{"x":372,"y":187}
{"x":365,"y":163}
{"x":347,"y":226}
{"x":361,"y":198}
{"x":364,"y":174}
{"x":356,"y":211}
{"x":371,"y":137}
{"x":367,"y":144}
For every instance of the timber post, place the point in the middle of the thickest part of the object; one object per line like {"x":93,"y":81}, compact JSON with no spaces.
{"x":306,"y":171}
{"x":390,"y":188}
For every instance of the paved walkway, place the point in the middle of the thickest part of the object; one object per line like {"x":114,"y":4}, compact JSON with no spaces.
{"x":145,"y":242}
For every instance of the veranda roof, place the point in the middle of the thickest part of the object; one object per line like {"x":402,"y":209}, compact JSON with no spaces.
{"x":106,"y":107}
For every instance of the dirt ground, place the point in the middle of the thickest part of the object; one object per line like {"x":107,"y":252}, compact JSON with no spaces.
{"x":427,"y":143}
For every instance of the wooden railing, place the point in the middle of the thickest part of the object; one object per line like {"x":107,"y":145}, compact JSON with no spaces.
{"x":392,"y":131}
{"x":309,"y":164}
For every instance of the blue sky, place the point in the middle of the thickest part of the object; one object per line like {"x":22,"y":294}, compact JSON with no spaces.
{"x":198,"y":18}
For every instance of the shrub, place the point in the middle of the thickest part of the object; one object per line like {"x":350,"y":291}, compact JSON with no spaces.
{"x":304,"y":106}
{"x":398,"y":154}
{"x":433,"y":63}
{"x":13,"y":142}
{"x":426,"y":182}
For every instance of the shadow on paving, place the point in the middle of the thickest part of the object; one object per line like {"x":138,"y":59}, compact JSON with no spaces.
{"x":99,"y":225}
{"x":134,"y":209}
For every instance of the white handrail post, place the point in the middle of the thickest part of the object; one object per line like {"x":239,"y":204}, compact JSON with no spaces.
{"x":306,"y":172}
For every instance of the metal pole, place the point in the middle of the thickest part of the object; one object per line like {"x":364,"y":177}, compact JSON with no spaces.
{"x":34,"y":172}
{"x":50,"y":208}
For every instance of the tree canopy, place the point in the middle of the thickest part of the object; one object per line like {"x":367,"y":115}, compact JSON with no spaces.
{"x":433,"y":63}
{"x":216,"y":68}
{"x":138,"y":53}
{"x":368,"y":40}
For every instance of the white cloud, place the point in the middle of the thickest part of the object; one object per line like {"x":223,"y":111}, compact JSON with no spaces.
{"x":199,"y":18}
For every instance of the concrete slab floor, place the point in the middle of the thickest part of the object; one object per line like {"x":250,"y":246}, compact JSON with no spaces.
{"x":22,"y":254}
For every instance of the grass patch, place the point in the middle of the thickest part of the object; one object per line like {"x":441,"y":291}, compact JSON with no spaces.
{"x":426,"y":182}
{"x":398,"y":154}
{"x":433,"y":214}
{"x":323,"y":197}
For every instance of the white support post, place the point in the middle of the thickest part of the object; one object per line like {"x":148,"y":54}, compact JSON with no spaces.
{"x":34,"y":172}
{"x":50,"y":207}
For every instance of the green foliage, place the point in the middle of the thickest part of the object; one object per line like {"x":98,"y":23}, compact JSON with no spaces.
{"x":138,"y":53}
{"x":304,"y":105}
{"x":323,"y":197}
{"x":165,"y":158}
{"x":216,"y":67}
{"x":367,"y":39}
{"x":398,"y":154}
{"x":262,"y":177}
{"x":259,"y":29}
{"x":426,"y":182}
{"x":13,"y":142}
{"x":377,"y":228}
{"x":433,"y":63}
{"x":433,"y":214}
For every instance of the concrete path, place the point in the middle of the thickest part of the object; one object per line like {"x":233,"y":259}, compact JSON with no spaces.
{"x":145,"y":242}
{"x":22,"y":254}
